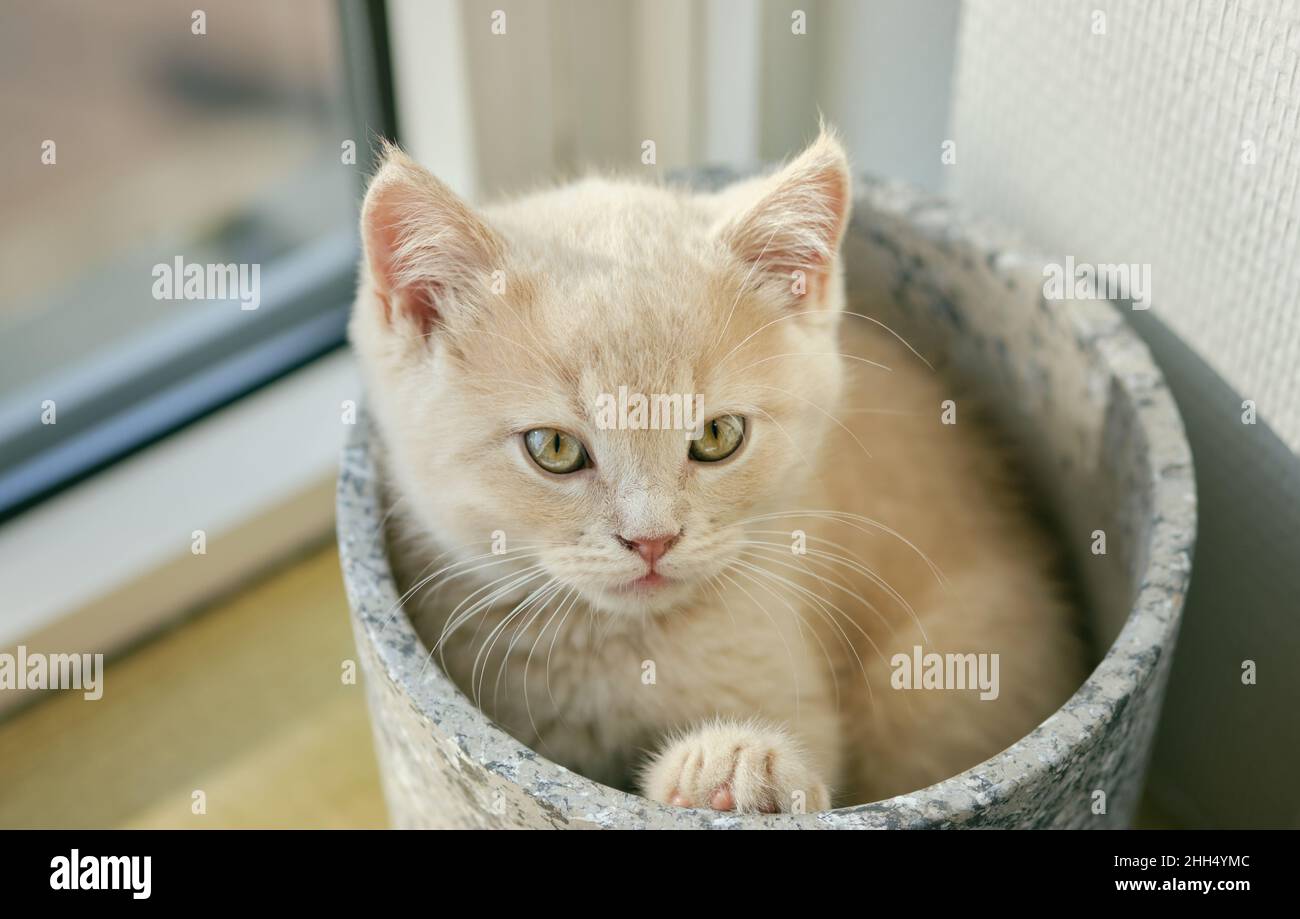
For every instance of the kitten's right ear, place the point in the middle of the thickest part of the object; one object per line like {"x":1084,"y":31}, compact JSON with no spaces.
{"x":426,"y":251}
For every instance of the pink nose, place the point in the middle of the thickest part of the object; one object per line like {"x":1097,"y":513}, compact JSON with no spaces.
{"x":650,"y":548}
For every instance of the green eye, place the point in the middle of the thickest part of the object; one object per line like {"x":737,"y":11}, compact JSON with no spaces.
{"x":722,"y":435}
{"x":555,"y":451}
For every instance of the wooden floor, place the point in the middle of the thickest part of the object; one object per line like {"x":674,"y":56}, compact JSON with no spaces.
{"x":244,"y":703}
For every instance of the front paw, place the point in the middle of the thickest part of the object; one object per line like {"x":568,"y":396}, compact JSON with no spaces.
{"x":731,"y":766}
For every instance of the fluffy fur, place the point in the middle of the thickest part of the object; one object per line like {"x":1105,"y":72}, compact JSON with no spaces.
{"x":752,"y":678}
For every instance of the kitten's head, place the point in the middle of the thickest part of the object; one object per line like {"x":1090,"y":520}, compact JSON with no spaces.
{"x":506,"y":354}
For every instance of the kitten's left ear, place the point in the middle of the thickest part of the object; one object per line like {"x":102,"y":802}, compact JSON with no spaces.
{"x":795,"y":228}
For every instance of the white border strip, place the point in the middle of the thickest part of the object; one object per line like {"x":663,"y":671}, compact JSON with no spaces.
{"x":431,"y":83}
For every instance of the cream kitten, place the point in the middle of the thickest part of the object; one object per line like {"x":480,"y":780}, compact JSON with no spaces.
{"x":714,"y":618}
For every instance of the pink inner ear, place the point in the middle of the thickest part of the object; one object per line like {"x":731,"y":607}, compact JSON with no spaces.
{"x":420,"y":303}
{"x":398,"y":296}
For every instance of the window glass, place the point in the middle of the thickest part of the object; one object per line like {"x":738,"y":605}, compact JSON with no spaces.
{"x":141,"y":139}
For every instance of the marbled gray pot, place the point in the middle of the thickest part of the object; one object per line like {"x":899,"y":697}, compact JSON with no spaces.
{"x":1100,"y":437}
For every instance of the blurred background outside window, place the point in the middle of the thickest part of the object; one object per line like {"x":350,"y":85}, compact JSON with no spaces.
{"x":142,"y":132}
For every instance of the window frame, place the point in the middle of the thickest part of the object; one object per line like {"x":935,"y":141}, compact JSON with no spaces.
{"x":132,"y":395}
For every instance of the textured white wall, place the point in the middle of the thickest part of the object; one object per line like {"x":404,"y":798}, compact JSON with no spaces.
{"x":1134,"y":145}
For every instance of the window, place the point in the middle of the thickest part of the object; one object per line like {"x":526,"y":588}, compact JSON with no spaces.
{"x":177,"y":224}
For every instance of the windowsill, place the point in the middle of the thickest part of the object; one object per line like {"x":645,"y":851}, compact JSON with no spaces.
{"x":283,"y":739}
{"x":110,"y":560}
